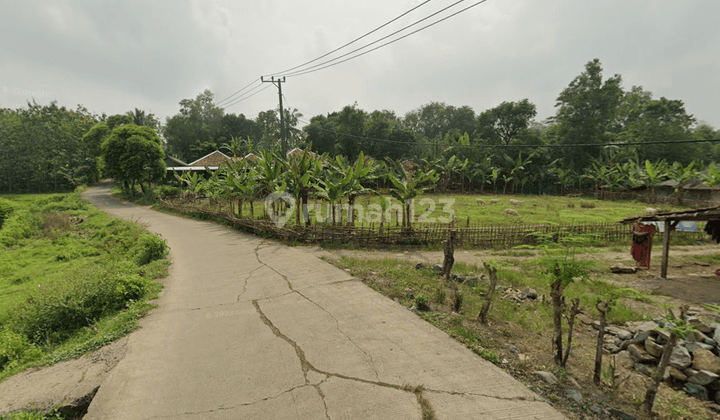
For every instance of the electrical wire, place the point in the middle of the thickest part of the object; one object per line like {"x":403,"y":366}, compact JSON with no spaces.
{"x":354,"y":40}
{"x":237,"y":101}
{"x":329,"y":63}
{"x":219,"y":103}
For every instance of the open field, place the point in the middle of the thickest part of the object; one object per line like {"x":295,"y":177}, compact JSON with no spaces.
{"x":72,"y":279}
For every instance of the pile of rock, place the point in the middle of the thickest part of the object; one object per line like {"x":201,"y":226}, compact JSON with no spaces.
{"x":694,"y":363}
{"x":518,"y":296}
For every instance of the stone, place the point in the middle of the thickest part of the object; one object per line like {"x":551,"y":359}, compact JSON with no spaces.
{"x":653,"y":348}
{"x":419,"y":266}
{"x":595,"y":409}
{"x":696,"y":391}
{"x":644,"y":369}
{"x":529,"y":293}
{"x":639,"y":354}
{"x":680,"y":358}
{"x":624,"y":360}
{"x":409,"y":293}
{"x":700,"y":325}
{"x":676,"y":374}
{"x":523,"y":358}
{"x":692,"y":347}
{"x":716,"y":335}
{"x":689,"y":372}
{"x":471,"y":281}
{"x":622,"y":269}
{"x":698,"y":337}
{"x":639,"y":338}
{"x":618,"y":332}
{"x":546,"y":377}
{"x":621,"y":415}
{"x":706,"y":360}
{"x":612,"y":348}
{"x":641,"y":326}
{"x":437,"y":267}
{"x":512,"y":349}
{"x":574,"y":395}
{"x":703,"y":378}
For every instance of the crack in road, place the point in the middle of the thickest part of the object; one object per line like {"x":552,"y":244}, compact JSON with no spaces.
{"x":251,"y":272}
{"x":284,"y":277}
{"x":337,"y":327}
{"x":193,"y":413}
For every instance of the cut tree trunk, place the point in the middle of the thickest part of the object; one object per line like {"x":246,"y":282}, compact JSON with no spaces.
{"x":492,"y":272}
{"x":603,"y":309}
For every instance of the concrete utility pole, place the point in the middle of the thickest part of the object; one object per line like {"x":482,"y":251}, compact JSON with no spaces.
{"x":282,"y":113}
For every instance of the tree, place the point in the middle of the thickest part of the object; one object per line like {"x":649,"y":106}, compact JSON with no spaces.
{"x":506,"y":122}
{"x":586,"y":113}
{"x":408,"y":185}
{"x":198,"y":123}
{"x":132,"y":154}
{"x":139,"y":117}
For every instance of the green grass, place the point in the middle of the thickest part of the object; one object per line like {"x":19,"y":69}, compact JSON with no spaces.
{"x":72,"y":279}
{"x":436,"y":208}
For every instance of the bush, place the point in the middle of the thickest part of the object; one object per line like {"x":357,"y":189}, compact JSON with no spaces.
{"x":151,"y":248}
{"x":165,"y":191}
{"x":16,"y":348}
{"x":20,"y":225}
{"x":55,"y":311}
{"x":6,"y":208}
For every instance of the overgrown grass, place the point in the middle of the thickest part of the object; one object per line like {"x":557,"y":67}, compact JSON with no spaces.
{"x":72,"y":279}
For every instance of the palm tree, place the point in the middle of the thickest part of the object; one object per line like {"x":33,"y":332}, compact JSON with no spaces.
{"x":139,"y":117}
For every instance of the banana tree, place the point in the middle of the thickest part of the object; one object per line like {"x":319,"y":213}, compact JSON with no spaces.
{"x":299,"y":175}
{"x":333,"y":188}
{"x":682,"y":175}
{"x":408,"y":186}
{"x":654,"y":174}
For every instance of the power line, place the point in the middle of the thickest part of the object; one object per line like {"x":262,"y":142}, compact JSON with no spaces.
{"x":227,"y":98}
{"x":355,"y":40}
{"x":246,"y":97}
{"x":330,"y":62}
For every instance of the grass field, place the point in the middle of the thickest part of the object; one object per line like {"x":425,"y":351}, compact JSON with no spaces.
{"x":439,"y":208}
{"x":72,"y":278}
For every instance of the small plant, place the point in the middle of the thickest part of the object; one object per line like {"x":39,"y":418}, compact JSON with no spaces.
{"x":151,"y":248}
{"x":587,"y":205}
{"x":421,"y":302}
{"x":439,"y":296}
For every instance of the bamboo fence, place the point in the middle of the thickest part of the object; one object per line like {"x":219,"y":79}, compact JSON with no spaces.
{"x":473,"y":235}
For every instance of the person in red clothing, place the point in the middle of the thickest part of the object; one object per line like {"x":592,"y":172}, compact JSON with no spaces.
{"x":642,"y":244}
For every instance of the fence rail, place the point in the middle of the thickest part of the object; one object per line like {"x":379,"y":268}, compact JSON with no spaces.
{"x":475,"y":235}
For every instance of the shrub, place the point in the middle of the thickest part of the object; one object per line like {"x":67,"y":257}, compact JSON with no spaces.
{"x":165,"y":191}
{"x":58,"y":309}
{"x":53,"y":221}
{"x":131,"y":288}
{"x":15,"y":347}
{"x":20,"y":225}
{"x":6,"y":208}
{"x":421,"y":302}
{"x":587,"y":205}
{"x":151,"y":248}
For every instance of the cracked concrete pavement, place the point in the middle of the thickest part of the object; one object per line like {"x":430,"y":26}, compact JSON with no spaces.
{"x":249,"y":328}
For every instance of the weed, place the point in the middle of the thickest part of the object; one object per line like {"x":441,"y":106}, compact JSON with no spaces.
{"x":439,"y":296}
{"x":421,"y":302}
{"x":457,"y":299}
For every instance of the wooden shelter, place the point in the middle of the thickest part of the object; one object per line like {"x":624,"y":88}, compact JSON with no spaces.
{"x":711,"y":215}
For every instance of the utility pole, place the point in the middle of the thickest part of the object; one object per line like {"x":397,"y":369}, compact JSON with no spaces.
{"x":282,"y":113}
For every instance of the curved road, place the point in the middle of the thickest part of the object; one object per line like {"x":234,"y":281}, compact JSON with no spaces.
{"x":251,"y":329}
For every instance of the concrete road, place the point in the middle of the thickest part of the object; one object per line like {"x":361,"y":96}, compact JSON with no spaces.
{"x":251,"y":329}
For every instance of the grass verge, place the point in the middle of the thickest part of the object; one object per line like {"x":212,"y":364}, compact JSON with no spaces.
{"x":72,"y":279}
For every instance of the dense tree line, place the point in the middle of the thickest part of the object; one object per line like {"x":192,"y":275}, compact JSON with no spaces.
{"x":47,"y":148}
{"x":53,"y":148}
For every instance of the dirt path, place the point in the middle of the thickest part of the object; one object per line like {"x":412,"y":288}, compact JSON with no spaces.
{"x":247,"y":328}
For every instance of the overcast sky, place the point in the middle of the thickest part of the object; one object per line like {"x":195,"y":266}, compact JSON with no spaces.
{"x":113,"y":56}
